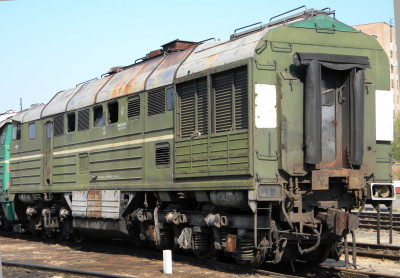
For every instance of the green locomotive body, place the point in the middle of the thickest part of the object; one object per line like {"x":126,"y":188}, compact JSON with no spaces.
{"x":251,"y":146}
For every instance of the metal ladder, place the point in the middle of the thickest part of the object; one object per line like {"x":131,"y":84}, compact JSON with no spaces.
{"x":268,"y":210}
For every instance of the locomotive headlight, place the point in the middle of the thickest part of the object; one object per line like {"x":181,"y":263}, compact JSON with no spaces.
{"x":380,"y":191}
{"x":383,"y":191}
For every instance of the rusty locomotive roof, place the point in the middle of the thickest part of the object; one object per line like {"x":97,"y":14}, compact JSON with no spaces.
{"x":159,"y":68}
{"x":157,"y":71}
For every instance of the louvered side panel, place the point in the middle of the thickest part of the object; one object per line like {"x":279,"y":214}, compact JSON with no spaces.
{"x":133,"y":107}
{"x":202,"y":106}
{"x":162,"y":156}
{"x":58,"y":125}
{"x":186,"y":93}
{"x":241,"y":98}
{"x":83,"y":119}
{"x":156,"y":102}
{"x":223,"y":101}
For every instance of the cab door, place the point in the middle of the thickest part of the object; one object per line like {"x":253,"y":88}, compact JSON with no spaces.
{"x":48,"y":153}
{"x":334,"y":111}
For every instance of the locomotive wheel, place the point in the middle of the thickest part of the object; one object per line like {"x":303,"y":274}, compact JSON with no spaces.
{"x":78,"y":236}
{"x":337,"y":248}
{"x":318,"y":256}
{"x":167,"y":241}
{"x":245,"y":253}
{"x":204,"y":246}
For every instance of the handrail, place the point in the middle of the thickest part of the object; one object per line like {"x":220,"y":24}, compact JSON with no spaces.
{"x":86,"y":81}
{"x":304,"y":6}
{"x":203,"y":41}
{"x":235,"y":35}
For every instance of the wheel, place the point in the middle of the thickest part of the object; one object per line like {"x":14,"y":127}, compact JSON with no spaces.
{"x":78,"y":236}
{"x":246,"y":254}
{"x":203,"y":246}
{"x":318,"y":256}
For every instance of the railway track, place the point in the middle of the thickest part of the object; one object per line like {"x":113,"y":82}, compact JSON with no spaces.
{"x":121,"y":248}
{"x":120,"y":252}
{"x":78,"y":272}
{"x":380,"y":251}
{"x":369,"y":220}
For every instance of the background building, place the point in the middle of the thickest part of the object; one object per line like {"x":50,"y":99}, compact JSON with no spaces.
{"x":385,"y":34}
{"x":396,"y":4}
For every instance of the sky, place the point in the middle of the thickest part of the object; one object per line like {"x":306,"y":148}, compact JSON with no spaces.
{"x":50,"y":46}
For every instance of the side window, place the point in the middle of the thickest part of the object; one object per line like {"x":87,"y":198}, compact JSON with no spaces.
{"x":327,"y":91}
{"x":156,"y":102}
{"x":71,"y":122}
{"x":170,"y":99}
{"x":16,"y":132}
{"x":32,"y":131}
{"x":98,"y":117}
{"x":3,"y":137}
{"x":162,"y":155}
{"x":113,"y":112}
{"x":134,"y":107}
{"x":58,"y":125}
{"x":83,"y":119}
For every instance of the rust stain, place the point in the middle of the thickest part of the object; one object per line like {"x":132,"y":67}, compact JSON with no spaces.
{"x":94,"y":195}
{"x":340,"y":222}
{"x":354,"y":178}
{"x":102,"y":84}
{"x":135,"y":77}
{"x":210,"y":60}
{"x":94,"y":203}
{"x":231,"y":243}
{"x":119,"y":86}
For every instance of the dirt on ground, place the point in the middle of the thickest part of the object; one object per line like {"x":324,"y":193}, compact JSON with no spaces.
{"x":136,"y":264}
{"x":369,"y":264}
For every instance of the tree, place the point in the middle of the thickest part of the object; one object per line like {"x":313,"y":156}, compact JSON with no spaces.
{"x":396,"y":140}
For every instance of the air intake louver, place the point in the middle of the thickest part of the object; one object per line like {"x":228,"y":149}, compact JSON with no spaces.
{"x":83,"y":119}
{"x":162,"y":155}
{"x":133,"y":107}
{"x":222,"y":84}
{"x":202,"y":106}
{"x":186,"y":93}
{"x":156,"y":102}
{"x":193,"y":107}
{"x":58,"y":125}
{"x":241,"y":103}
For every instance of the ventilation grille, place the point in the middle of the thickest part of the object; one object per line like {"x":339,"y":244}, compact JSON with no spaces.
{"x":156,"y":102}
{"x":223,"y":101}
{"x":241,"y":98}
{"x":162,"y":155}
{"x":202,"y":106}
{"x":83,"y":163}
{"x":186,"y":95}
{"x":83,"y":119}
{"x":134,"y":107}
{"x":58,"y":125}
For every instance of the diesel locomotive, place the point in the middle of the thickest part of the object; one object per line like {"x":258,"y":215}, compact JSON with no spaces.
{"x":261,"y":148}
